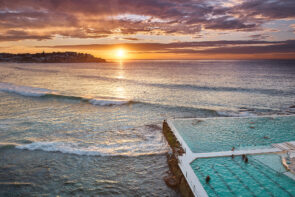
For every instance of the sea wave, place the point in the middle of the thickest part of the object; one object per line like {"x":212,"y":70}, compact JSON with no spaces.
{"x":7,"y":145}
{"x":73,"y":148}
{"x":227,"y":89}
{"x":36,"y":70}
{"x":195,"y":87}
{"x":109,"y":102}
{"x":147,"y":140}
{"x":112,"y":101}
{"x":46,"y":93}
{"x":236,"y":113}
{"x":23,"y":90}
{"x":100,"y":101}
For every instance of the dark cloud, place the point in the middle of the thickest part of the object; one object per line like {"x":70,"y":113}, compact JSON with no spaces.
{"x":229,"y":23}
{"x":155,"y":46}
{"x":35,"y":19}
{"x":102,"y":18}
{"x":13,"y":35}
{"x":270,"y":9}
{"x":132,"y":39}
{"x":278,"y":47}
{"x":259,"y":36}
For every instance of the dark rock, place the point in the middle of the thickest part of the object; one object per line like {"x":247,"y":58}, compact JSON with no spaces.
{"x":185,"y":189}
{"x":292,"y":106}
{"x":171,"y":181}
{"x":182,"y":185}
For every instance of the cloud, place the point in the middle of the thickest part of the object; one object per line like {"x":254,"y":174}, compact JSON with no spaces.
{"x":292,"y":28}
{"x":13,"y":35}
{"x":278,"y":47}
{"x":259,"y":36}
{"x":103,"y":18}
{"x":205,"y":47}
{"x":132,"y":39}
{"x":268,"y":9}
{"x":228,"y":23}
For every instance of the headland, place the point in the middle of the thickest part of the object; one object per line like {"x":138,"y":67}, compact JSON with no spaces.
{"x":54,"y":57}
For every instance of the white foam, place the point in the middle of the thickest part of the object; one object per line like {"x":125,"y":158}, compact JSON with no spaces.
{"x":38,"y":92}
{"x":236,"y":114}
{"x":107,"y":102}
{"x":144,"y":141}
{"x":23,"y":90}
{"x":101,"y":150}
{"x":63,"y":147}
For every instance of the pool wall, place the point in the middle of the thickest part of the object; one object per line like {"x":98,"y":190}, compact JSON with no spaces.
{"x":172,"y":159}
{"x":178,"y":164}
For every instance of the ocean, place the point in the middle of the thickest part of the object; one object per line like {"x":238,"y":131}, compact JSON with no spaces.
{"x":94,"y":129}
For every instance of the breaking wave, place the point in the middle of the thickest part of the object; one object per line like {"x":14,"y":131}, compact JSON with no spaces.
{"x":236,"y":114}
{"x":36,"y":70}
{"x":41,"y":92}
{"x":146,"y":140}
{"x":23,"y":90}
{"x":112,"y":101}
{"x":100,"y":101}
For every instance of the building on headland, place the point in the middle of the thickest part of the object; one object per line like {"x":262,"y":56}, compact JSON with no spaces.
{"x":55,"y":57}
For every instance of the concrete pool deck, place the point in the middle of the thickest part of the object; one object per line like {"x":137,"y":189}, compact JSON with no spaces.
{"x":188,"y":157}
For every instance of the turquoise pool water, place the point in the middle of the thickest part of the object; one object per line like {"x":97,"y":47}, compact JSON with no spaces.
{"x":221,"y":134}
{"x":234,"y":177}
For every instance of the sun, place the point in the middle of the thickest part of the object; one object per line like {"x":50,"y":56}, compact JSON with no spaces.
{"x":121,"y":53}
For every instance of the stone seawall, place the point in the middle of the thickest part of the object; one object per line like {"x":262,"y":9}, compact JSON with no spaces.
{"x":175,"y":179}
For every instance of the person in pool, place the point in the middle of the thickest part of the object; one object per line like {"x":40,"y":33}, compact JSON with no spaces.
{"x":208,"y":179}
{"x":245,"y":158}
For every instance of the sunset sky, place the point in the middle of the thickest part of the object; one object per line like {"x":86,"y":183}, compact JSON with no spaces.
{"x":151,"y":29}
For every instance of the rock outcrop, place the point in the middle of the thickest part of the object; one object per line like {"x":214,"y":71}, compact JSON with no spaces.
{"x":176,"y":179}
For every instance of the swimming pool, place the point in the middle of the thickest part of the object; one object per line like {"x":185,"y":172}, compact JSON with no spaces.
{"x":221,"y":134}
{"x":233,"y":177}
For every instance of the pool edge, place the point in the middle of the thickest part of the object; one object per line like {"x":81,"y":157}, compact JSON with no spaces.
{"x":179,"y":163}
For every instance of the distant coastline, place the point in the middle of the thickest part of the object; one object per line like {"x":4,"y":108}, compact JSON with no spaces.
{"x":55,"y":57}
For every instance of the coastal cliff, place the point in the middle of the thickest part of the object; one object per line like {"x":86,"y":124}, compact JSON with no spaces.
{"x":55,"y":57}
{"x":175,"y":179}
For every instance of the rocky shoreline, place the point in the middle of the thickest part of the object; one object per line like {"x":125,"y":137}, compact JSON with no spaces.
{"x":175,"y":179}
